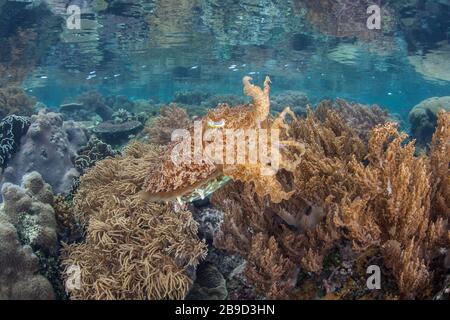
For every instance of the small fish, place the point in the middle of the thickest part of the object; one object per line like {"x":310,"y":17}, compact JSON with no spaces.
{"x":216,"y":124}
{"x":44,"y":77}
{"x":116,"y":75}
{"x":194,"y":67}
{"x":92,"y":72}
{"x":233,"y":66}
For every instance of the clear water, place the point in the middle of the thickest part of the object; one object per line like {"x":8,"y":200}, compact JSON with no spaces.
{"x":150,"y":49}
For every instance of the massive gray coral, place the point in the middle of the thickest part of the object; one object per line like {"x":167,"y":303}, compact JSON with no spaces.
{"x":423,"y":118}
{"x":49,"y":148}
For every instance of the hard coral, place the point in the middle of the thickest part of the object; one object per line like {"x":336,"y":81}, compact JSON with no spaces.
{"x":27,"y":230}
{"x":423,"y":118}
{"x":12,"y":128}
{"x":14,"y":100}
{"x":133,"y":249}
{"x":95,"y":150}
{"x":48,"y":147}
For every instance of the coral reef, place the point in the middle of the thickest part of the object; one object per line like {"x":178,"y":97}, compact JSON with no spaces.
{"x":191,"y":97}
{"x":94,"y":151}
{"x":160,"y":129}
{"x":423,"y":118}
{"x":118,"y":132}
{"x":14,"y":100}
{"x":76,"y":111}
{"x":133,"y":249}
{"x":295,"y":100}
{"x":378,"y":196}
{"x":217,"y":99}
{"x":12,"y":128}
{"x":96,"y":103}
{"x":27,"y":237}
{"x":49,"y":147}
{"x":68,"y":228}
{"x":209,"y":220}
{"x":360,"y":118}
{"x":30,"y":209}
{"x":191,"y":180}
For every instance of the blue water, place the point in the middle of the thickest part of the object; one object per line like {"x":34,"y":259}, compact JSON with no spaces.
{"x":154,"y":49}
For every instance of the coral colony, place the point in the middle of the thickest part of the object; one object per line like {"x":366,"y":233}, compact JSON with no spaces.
{"x":167,"y":150}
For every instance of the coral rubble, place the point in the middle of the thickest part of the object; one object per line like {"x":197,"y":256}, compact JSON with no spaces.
{"x":133,"y":249}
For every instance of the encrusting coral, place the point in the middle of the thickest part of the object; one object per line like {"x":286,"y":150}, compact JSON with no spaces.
{"x":95,"y":150}
{"x":133,"y":249}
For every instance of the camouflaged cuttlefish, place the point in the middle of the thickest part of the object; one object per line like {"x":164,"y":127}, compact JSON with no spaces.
{"x":187,"y":181}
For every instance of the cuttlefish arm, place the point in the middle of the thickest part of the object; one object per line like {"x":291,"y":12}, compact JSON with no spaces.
{"x":261,"y":99}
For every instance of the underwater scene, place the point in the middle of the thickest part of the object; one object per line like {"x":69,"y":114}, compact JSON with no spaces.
{"x":224,"y":150}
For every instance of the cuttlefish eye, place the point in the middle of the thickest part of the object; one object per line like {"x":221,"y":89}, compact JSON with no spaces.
{"x":216,"y":124}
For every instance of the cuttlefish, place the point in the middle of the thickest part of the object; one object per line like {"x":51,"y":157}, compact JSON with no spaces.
{"x":241,"y":143}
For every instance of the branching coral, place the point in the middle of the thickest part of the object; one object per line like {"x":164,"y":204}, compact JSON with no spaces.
{"x":133,"y":249}
{"x":171,"y":117}
{"x":14,"y":100}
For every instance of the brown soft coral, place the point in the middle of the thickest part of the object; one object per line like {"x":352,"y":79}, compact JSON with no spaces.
{"x":171,"y":117}
{"x":394,"y":208}
{"x":133,"y":249}
{"x":14,"y":100}
{"x":379,"y":196}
